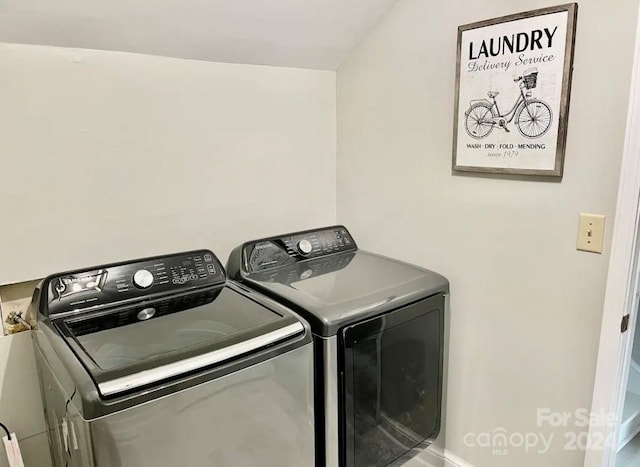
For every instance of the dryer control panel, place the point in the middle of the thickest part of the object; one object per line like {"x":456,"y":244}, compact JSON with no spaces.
{"x":114,"y":283}
{"x":275,"y":252}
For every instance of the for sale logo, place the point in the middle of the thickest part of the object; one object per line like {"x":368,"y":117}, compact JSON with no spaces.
{"x":550,"y":423}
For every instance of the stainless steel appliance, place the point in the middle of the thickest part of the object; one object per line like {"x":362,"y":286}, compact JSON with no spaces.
{"x":378,"y":328}
{"x":160,"y":362}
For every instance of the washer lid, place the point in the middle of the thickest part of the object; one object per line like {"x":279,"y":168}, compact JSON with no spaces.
{"x":338,"y":289}
{"x":133,"y":347}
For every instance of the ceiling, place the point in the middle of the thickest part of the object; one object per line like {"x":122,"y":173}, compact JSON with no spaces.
{"x":315,"y":34}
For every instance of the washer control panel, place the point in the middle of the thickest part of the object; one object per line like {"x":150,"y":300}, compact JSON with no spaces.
{"x":275,"y":252}
{"x":114,"y":283}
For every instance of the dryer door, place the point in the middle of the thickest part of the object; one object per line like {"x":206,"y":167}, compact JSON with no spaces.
{"x":392,"y":383}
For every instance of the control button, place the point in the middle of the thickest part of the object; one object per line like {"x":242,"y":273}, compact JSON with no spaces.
{"x":143,"y":279}
{"x":211,"y":268}
{"x":208,"y":258}
{"x":304,"y":246}
{"x":146,"y":313}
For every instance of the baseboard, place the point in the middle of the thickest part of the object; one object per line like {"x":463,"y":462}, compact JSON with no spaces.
{"x":630,"y":425}
{"x":628,"y":437}
{"x":450,"y":459}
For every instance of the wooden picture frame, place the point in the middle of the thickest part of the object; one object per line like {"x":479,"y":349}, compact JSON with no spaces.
{"x":527,"y":60}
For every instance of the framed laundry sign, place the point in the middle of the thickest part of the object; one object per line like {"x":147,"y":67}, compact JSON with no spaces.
{"x":513,"y":82}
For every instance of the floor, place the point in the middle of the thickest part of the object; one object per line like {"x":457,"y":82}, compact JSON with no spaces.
{"x":630,"y":455}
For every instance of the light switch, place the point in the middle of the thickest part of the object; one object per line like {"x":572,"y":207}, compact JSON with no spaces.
{"x":591,"y":232}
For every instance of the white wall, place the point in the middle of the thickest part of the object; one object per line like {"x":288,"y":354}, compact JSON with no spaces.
{"x":20,"y":401}
{"x":109,"y":156}
{"x":526,"y":306}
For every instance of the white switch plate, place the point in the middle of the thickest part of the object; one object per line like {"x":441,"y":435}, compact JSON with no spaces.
{"x":591,"y":232}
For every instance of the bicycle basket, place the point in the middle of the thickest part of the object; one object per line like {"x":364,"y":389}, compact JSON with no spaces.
{"x":531,"y":80}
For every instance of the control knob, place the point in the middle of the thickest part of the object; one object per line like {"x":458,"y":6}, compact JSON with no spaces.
{"x":304,"y":247}
{"x":143,"y":279}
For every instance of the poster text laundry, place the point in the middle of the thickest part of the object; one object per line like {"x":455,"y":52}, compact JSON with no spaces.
{"x":515,"y":43}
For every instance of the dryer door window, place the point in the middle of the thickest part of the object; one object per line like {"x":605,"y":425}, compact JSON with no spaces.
{"x":392,"y":386}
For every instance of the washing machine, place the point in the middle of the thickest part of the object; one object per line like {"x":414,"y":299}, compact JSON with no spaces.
{"x":161,"y":362}
{"x":378,"y":327}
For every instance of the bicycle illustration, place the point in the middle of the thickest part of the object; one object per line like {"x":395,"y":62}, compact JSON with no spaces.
{"x":532,"y":116}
